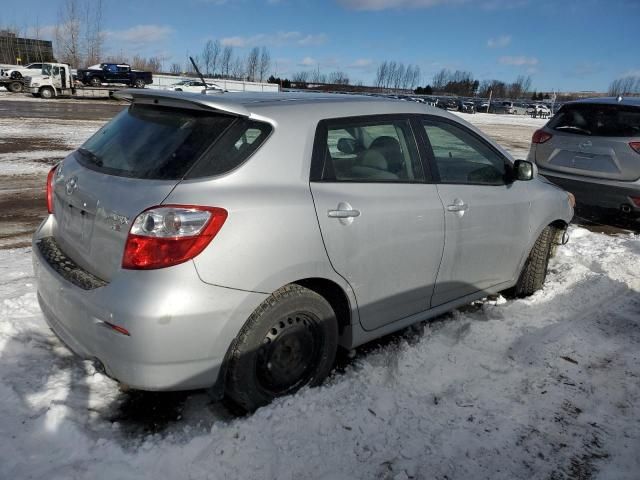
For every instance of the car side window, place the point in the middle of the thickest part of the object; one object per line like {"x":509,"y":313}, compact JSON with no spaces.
{"x":463,"y":158}
{"x":371,"y":151}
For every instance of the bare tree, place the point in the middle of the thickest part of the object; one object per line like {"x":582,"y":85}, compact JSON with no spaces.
{"x":251,"y":69}
{"x":225,"y":61}
{"x":207,"y":56}
{"x":300,"y":77}
{"x":265,"y":64}
{"x":93,"y":35}
{"x":338,"y":78}
{"x":381,"y":74}
{"x":154,"y":64}
{"x":175,"y":68}
{"x":67,"y":33}
{"x":237,"y":69}
{"x":629,"y":85}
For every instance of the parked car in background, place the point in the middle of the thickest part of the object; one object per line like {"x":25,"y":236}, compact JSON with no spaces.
{"x":466,"y":107}
{"x":114,"y":73}
{"x":482,"y":106}
{"x":194,"y":86}
{"x":447,"y":103}
{"x":539,"y":110}
{"x":592,"y":149}
{"x":167,"y":258}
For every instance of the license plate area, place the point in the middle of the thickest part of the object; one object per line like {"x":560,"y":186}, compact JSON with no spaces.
{"x":77,"y":225}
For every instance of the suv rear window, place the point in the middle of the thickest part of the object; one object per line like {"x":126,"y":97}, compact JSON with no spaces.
{"x":599,"y":120}
{"x":160,"y":143}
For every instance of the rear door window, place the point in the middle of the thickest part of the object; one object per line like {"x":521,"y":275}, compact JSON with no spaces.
{"x":369,"y":150}
{"x":599,"y":120}
{"x":151,"y":142}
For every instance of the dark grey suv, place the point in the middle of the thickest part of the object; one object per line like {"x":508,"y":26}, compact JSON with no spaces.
{"x":592,"y":149}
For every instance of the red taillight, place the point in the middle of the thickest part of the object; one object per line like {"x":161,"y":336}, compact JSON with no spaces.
{"x":170,"y":234}
{"x":636,"y":201}
{"x":540,"y":136}
{"x":50,"y":189}
{"x":635,"y":146}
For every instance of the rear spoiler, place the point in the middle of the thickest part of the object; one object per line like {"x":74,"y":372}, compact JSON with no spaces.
{"x":194,"y":100}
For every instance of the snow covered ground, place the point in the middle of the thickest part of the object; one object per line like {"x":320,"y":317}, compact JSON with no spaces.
{"x":546,"y":387}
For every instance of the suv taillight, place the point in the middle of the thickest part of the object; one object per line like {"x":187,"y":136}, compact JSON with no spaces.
{"x":635,"y":146}
{"x":540,"y":136}
{"x":50,"y":177}
{"x":167,"y":235}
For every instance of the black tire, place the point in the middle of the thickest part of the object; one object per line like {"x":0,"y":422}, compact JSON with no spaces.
{"x":139,"y":83}
{"x":289,"y":341}
{"x":95,"y":82}
{"x":535,"y":268}
{"x":15,"y":86}
{"x":47,"y":93}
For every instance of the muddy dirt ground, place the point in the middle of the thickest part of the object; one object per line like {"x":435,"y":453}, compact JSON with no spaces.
{"x":22,"y":195}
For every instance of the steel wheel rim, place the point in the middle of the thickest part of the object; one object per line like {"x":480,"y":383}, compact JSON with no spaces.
{"x":289,"y":353}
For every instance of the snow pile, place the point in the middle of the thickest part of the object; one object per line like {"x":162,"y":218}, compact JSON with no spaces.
{"x":545,"y":387}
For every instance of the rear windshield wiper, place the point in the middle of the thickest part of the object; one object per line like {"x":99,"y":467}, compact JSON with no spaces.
{"x":91,"y":156}
{"x":574,"y":129}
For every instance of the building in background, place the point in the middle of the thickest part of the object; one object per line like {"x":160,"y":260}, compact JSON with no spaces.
{"x":21,"y":51}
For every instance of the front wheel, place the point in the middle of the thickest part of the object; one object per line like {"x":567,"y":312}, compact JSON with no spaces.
{"x":534,"y":272}
{"x":289,"y":342}
{"x":95,"y":82}
{"x":47,"y":93}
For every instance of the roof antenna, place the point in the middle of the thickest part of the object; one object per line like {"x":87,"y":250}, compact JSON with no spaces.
{"x":204,"y":91}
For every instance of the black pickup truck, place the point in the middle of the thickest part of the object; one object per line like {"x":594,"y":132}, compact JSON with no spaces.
{"x":114,"y":73}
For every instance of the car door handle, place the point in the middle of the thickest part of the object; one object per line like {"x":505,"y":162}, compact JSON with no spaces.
{"x":343,"y":213}
{"x":457,"y":208}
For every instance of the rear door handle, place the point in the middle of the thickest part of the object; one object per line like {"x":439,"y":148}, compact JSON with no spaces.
{"x":343,"y":213}
{"x":458,"y":207}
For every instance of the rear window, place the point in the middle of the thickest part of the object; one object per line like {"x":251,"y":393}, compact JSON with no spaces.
{"x":151,"y":142}
{"x":598,"y":120}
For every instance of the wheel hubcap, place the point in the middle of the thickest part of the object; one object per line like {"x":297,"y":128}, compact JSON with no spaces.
{"x":289,"y":353}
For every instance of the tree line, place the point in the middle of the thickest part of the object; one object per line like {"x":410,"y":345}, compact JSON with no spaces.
{"x":629,"y":85}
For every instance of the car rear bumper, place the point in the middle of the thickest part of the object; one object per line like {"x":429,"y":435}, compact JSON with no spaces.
{"x":607,"y":194}
{"x":179,"y":327}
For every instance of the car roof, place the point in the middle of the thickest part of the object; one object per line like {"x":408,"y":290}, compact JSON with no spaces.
{"x":630,"y":101}
{"x":320,"y":105}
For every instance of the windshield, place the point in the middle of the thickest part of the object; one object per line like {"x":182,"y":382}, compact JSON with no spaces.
{"x":152,"y":142}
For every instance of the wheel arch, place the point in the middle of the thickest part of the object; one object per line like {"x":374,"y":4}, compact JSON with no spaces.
{"x":339,"y":301}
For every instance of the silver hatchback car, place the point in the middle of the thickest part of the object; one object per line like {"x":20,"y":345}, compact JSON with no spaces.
{"x":592,"y":149}
{"x":235,"y":242}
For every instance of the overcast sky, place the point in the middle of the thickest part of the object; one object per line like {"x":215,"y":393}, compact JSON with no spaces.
{"x":564,"y":45}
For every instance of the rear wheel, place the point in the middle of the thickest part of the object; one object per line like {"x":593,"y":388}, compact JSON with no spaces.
{"x":95,"y":82}
{"x":139,"y":83}
{"x":534,"y":272}
{"x":15,"y":87}
{"x":289,"y":342}
{"x":47,"y":92}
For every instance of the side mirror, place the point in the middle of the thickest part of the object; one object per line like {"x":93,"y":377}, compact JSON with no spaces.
{"x":523,"y":170}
